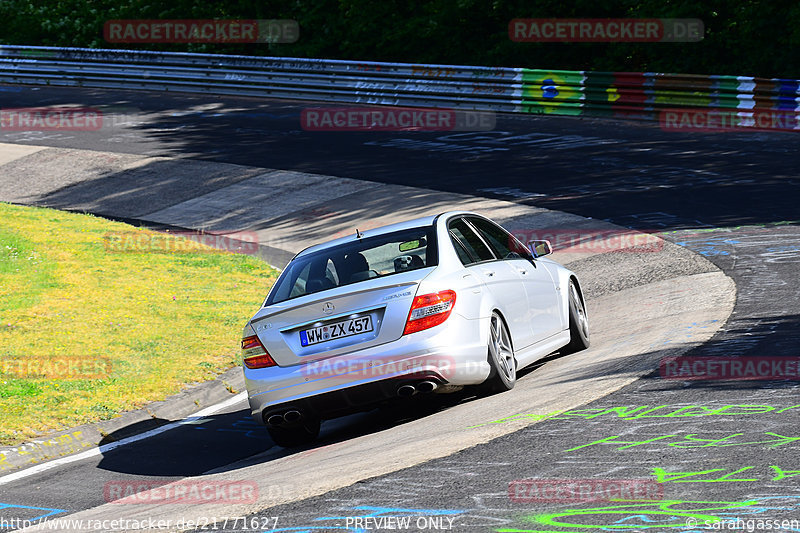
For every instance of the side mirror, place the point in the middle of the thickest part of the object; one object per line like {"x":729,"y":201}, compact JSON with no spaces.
{"x":540,"y":248}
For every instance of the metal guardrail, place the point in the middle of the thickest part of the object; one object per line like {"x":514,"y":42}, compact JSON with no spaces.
{"x":518,"y":90}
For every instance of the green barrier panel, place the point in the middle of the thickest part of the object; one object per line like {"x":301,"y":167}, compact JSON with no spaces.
{"x":600,"y":93}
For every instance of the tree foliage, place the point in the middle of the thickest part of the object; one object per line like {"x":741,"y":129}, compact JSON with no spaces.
{"x":742,"y":37}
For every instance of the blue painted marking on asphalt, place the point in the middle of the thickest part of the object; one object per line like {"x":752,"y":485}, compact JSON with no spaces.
{"x":253,"y":434}
{"x":314,"y":528}
{"x":645,"y":518}
{"x":787,"y":248}
{"x":246,"y":425}
{"x":16,"y":506}
{"x":378,"y":511}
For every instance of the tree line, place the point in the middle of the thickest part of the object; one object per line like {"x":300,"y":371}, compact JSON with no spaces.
{"x":741,"y":37}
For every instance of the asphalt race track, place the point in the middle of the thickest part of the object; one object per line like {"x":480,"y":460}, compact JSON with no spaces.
{"x":696,"y":449}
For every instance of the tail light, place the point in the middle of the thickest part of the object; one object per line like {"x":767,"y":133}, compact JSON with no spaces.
{"x":429,"y":310}
{"x":254,"y":355}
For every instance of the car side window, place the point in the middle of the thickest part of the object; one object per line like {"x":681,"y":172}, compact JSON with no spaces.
{"x":465,"y":239}
{"x":299,"y":285}
{"x":462,"y":252}
{"x":331,"y":273}
{"x":502,"y":242}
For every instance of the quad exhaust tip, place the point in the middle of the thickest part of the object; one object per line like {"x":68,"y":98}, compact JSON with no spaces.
{"x":289,"y":417}
{"x":275,"y":420}
{"x":410,"y":389}
{"x":406,"y":390}
{"x":292,"y":416}
{"x":427,"y":386}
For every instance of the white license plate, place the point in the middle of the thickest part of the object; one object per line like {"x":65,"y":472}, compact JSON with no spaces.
{"x":337,"y":330}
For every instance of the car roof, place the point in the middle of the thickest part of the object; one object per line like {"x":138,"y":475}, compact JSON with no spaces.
{"x":397,"y":226}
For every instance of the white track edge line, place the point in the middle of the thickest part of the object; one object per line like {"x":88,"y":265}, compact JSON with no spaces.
{"x":99,"y":450}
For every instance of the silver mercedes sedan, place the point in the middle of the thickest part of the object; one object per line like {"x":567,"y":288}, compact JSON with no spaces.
{"x":428,"y":305}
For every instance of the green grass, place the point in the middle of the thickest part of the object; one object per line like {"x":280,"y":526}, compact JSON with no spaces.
{"x":156,"y":320}
{"x":21,"y":265}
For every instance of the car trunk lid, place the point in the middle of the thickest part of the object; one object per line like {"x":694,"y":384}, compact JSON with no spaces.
{"x":339,"y":320}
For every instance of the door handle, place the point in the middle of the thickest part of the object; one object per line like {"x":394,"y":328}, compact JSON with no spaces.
{"x":476,"y":289}
{"x":522,"y":271}
{"x":489,"y":273}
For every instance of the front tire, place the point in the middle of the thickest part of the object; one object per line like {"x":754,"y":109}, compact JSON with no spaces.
{"x":503,"y":373}
{"x":578,"y":321}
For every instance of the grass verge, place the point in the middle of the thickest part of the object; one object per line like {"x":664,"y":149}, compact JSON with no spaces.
{"x":87,"y":332}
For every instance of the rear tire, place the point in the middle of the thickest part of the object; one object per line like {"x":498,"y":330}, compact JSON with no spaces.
{"x":578,"y":321}
{"x":305,"y":432}
{"x":503,"y":373}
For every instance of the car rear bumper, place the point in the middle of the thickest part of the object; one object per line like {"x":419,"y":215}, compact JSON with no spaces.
{"x":454,"y":353}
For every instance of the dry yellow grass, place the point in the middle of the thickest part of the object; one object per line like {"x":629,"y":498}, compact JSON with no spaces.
{"x":159,"y":320}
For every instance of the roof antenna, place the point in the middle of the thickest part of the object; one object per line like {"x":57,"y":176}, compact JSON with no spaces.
{"x":358,"y":233}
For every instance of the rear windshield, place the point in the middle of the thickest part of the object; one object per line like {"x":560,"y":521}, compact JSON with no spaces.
{"x":373,"y":257}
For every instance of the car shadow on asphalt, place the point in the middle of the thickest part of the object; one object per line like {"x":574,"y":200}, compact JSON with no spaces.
{"x":191,"y":448}
{"x":349,"y":427}
{"x":233,"y":440}
{"x":228,"y":441}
